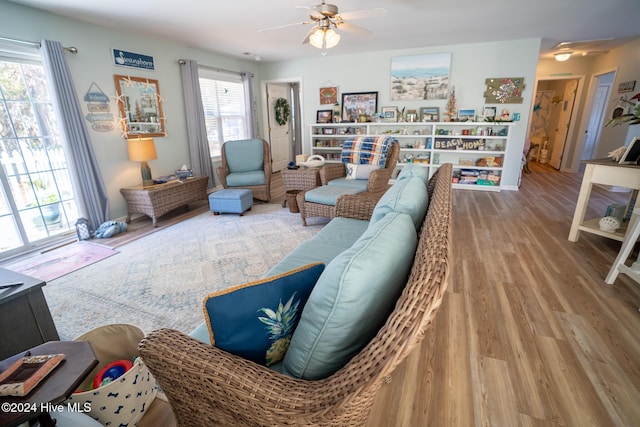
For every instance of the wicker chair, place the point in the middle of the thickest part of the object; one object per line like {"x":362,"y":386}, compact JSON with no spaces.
{"x":207,"y":386}
{"x":377,"y":184}
{"x":243,"y":148}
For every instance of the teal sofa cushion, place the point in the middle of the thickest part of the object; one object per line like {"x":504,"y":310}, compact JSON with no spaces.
{"x":352,"y":299}
{"x":408,"y":196}
{"x":244,"y":155}
{"x":243,"y":179}
{"x":328,"y":194}
{"x":334,"y":238}
{"x":353,"y":183}
{"x":411,"y":169}
{"x":256,"y":320}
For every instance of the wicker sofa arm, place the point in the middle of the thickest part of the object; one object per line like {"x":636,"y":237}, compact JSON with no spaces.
{"x":332,"y":171}
{"x":357,"y":206}
{"x":208,"y":386}
{"x":222,"y":172}
{"x":379,"y":180}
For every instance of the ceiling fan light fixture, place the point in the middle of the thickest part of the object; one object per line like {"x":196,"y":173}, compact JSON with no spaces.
{"x":331,"y":38}
{"x":561,"y":57}
{"x":316,"y":39}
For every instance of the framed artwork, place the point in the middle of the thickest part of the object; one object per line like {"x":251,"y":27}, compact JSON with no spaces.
{"x":489,"y":113}
{"x":504,"y":90}
{"x":430,"y":114}
{"x":328,"y":95}
{"x":419,"y":77}
{"x":389,"y":114}
{"x":328,"y":131}
{"x":467,"y":114}
{"x":324,"y":116}
{"x":359,"y":103}
{"x":140,"y":106}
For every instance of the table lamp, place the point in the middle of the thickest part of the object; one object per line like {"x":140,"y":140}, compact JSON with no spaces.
{"x":141,"y":150}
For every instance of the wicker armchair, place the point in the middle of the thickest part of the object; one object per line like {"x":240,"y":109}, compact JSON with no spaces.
{"x":207,"y":386}
{"x":377,"y":184}
{"x":234,"y":171}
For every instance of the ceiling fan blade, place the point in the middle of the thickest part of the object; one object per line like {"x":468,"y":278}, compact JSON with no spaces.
{"x":286,"y":26}
{"x":363,"y":14}
{"x":345,"y":26}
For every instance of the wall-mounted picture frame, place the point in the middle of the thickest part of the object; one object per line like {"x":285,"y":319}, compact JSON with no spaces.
{"x":420,"y":77}
{"x":358,"y":106}
{"x":140,"y":106}
{"x":430,"y":114}
{"x":389,"y":114}
{"x":466,"y":114}
{"x":324,"y":116}
{"x":328,"y":95}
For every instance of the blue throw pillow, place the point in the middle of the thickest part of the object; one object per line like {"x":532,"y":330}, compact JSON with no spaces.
{"x":256,"y":320}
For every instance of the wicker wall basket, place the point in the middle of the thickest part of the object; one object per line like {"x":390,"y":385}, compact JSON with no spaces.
{"x":125,"y":400}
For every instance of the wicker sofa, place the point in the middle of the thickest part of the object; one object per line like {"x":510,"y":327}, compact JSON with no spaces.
{"x":208,"y":386}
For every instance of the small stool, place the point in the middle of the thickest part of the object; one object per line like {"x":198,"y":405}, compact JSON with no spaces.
{"x":231,"y":201}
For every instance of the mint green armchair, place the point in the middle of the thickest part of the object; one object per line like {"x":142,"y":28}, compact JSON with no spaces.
{"x":247,"y":164}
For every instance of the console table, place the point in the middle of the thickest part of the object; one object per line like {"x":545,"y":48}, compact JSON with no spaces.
{"x":157,"y":200}
{"x":25,"y":319}
{"x":606,"y":172}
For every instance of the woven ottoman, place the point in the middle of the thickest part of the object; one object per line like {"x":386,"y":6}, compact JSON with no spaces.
{"x":231,"y":201}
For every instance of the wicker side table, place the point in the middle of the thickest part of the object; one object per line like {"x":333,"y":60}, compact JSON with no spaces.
{"x":300,"y":180}
{"x":160,"y":199}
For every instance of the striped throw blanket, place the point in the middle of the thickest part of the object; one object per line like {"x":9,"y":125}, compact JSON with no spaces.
{"x":366,"y":150}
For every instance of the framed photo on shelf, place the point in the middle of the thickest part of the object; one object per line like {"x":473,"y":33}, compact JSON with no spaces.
{"x":467,"y":114}
{"x":429,"y":114}
{"x":389,"y":114}
{"x":328,"y":131}
{"x":324,"y":116}
{"x":359,"y":103}
{"x":489,"y":113}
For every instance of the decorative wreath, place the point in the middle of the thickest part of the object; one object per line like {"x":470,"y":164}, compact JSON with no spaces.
{"x":282,"y":111}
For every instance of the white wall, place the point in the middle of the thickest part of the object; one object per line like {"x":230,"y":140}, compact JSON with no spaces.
{"x":93,"y":65}
{"x":471,"y":65}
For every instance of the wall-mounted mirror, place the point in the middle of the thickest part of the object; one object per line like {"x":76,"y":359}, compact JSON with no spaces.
{"x":140,"y":106}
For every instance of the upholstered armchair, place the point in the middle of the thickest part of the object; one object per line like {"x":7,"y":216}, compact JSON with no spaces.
{"x":322,"y":201}
{"x":247,"y":164}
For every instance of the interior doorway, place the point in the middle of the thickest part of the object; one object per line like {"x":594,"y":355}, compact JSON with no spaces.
{"x":284,"y":136}
{"x":554,"y":117}
{"x":600,"y":94}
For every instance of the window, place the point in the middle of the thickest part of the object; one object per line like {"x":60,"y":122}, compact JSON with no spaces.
{"x":225,"y":113}
{"x":36,"y":197}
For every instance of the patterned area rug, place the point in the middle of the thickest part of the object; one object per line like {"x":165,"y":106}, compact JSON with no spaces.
{"x":161,"y":279}
{"x":61,"y":261}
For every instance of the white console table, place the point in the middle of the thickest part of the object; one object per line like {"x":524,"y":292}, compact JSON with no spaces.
{"x":605,"y":172}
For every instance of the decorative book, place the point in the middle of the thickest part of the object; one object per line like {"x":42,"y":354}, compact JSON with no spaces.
{"x":26,"y":373}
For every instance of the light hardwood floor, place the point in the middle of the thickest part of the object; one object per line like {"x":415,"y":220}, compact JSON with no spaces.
{"x":528,"y":334}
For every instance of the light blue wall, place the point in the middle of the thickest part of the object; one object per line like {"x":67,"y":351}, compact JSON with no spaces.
{"x":471,"y":64}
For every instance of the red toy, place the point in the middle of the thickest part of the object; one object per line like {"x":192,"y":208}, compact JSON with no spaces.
{"x":111,"y":372}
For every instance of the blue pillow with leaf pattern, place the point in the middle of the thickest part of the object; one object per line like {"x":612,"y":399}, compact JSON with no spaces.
{"x":256,"y":320}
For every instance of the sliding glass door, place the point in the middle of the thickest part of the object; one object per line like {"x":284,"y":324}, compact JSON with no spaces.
{"x":37,"y":199}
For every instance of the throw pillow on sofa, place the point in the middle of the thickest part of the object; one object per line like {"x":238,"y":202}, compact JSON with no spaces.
{"x":256,"y":320}
{"x":412,"y":169}
{"x":355,"y":171}
{"x":352,"y":299}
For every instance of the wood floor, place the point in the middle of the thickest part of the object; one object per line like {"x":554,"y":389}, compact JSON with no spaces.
{"x":528,"y":334}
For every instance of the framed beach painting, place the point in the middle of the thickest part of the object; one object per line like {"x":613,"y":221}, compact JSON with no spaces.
{"x":419,"y":77}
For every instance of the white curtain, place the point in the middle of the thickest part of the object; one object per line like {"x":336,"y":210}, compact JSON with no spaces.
{"x":89,"y":189}
{"x":196,"y":131}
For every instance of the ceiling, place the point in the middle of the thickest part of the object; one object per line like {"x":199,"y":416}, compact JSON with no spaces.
{"x":231,"y":27}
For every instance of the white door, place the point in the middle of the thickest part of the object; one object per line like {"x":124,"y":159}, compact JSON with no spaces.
{"x":595,"y":121}
{"x":560,"y":138}
{"x":279,"y":134}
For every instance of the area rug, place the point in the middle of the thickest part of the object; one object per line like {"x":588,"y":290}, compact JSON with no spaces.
{"x":161,"y":279}
{"x":61,"y":261}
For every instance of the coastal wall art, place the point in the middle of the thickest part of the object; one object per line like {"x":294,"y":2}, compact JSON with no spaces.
{"x":418,"y":77}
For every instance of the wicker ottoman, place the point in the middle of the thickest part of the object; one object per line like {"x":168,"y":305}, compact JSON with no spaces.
{"x":231,"y":201}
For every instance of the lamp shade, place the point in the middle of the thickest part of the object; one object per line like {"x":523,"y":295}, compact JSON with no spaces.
{"x":324,"y":38}
{"x":560,"y":57}
{"x":141,"y":149}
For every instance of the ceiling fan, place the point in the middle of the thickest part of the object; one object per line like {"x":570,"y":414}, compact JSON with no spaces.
{"x":326,"y":20}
